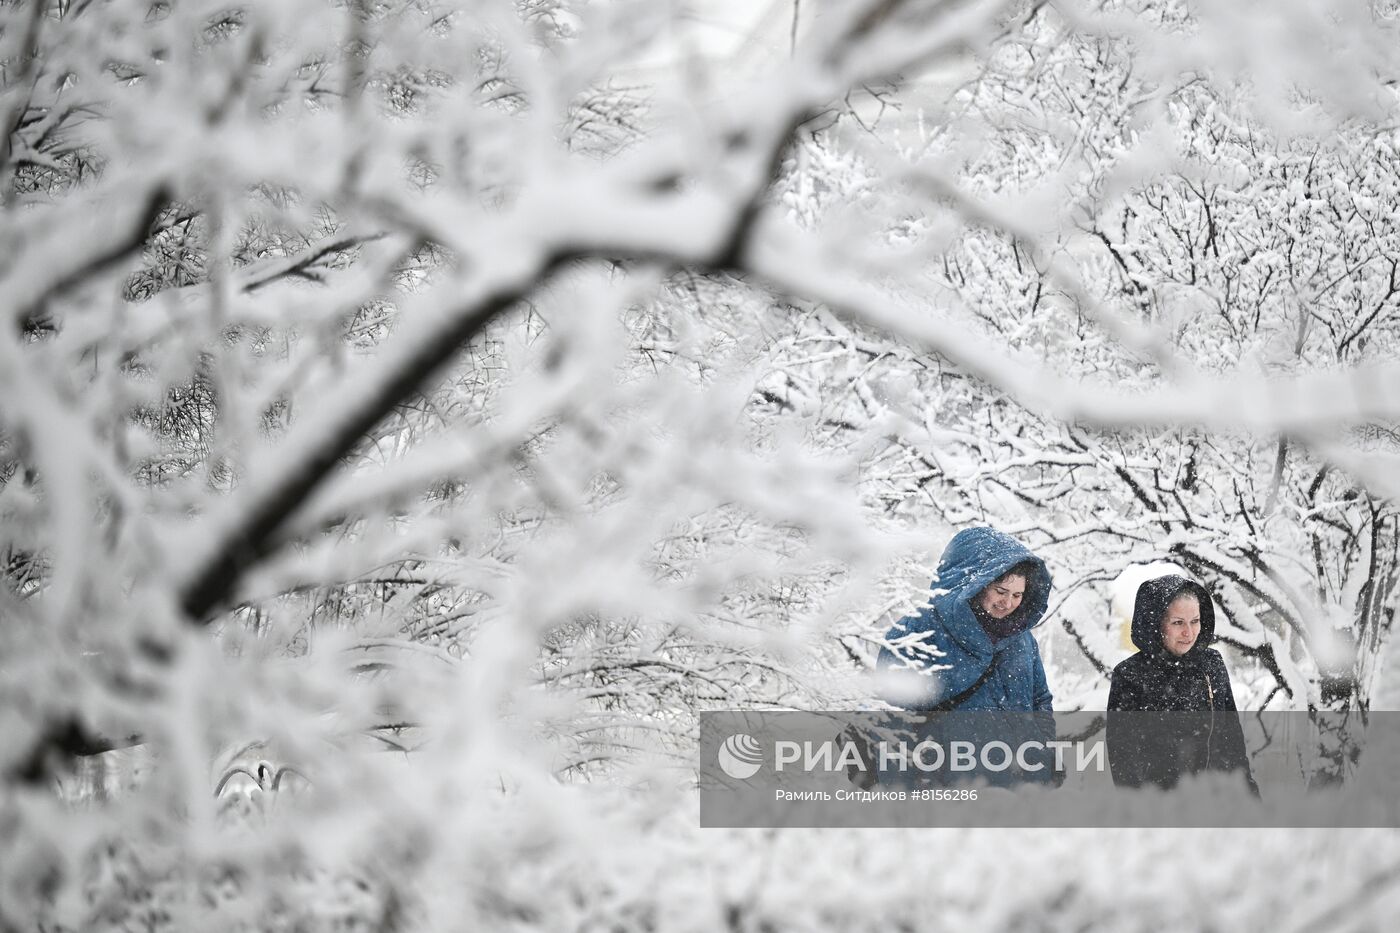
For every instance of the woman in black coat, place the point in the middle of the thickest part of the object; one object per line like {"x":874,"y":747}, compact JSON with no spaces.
{"x":1178,"y":689}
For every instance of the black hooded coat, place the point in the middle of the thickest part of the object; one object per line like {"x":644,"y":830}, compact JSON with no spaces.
{"x":1183,"y":717}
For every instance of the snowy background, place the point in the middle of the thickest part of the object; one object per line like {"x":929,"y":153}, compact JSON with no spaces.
{"x":413,"y":413}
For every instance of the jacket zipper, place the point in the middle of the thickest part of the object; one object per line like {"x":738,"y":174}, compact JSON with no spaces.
{"x":1210,"y":733}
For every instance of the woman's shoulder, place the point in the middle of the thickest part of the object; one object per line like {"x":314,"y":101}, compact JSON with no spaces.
{"x":1214,"y":664}
{"x":924,"y":627}
{"x":1209,"y":657}
{"x":1130,"y":677}
{"x":923,"y":619}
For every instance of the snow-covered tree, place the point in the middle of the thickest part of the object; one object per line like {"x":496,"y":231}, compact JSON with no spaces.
{"x":412,"y":414}
{"x":1179,"y":240}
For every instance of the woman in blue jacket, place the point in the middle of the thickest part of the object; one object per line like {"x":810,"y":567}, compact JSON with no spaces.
{"x":971,"y":648}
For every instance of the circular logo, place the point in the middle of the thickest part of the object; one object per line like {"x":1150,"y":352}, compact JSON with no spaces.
{"x":740,"y":756}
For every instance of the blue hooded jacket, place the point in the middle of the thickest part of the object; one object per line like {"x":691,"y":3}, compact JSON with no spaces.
{"x":947,"y":644}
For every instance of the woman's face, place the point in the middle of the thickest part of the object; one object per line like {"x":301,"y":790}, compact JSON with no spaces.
{"x":1003,"y":597}
{"x":1181,"y":625}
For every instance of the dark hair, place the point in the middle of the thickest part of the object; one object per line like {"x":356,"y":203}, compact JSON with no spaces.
{"x":1185,"y":591}
{"x":1028,"y":569}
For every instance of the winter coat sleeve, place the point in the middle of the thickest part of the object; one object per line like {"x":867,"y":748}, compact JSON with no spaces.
{"x":1127,"y":754}
{"x":1042,"y":700}
{"x":1122,"y":693}
{"x":1219,"y":676}
{"x":1231,"y":754}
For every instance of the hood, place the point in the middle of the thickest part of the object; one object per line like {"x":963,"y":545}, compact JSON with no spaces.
{"x":974,"y":558}
{"x":1153,"y":598}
